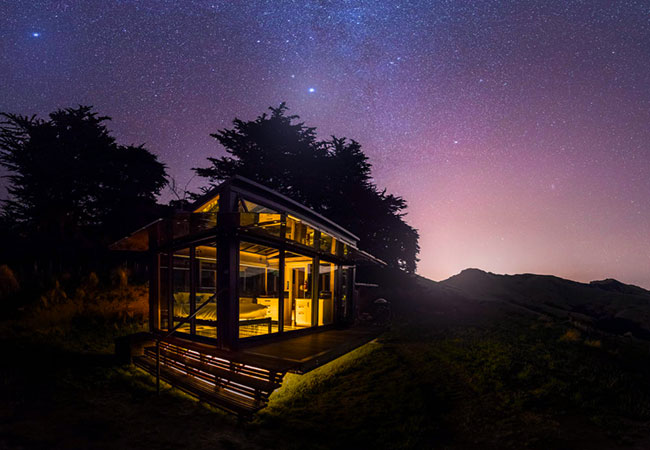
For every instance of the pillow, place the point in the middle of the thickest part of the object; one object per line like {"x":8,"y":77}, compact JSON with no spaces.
{"x":182,"y":297}
{"x":202,"y":297}
{"x":252,"y":310}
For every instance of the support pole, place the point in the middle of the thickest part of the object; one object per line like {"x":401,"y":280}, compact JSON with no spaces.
{"x":158,"y":366}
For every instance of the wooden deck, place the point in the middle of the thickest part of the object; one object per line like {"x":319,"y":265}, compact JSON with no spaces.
{"x":304,"y":353}
{"x":241,"y":381}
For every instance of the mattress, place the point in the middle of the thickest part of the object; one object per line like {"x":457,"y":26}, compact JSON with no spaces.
{"x":247,"y":309}
{"x":252,"y":310}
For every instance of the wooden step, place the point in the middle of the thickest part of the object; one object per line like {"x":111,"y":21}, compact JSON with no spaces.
{"x":204,"y":391}
{"x":226,"y":379}
{"x":232,"y":371}
{"x":263,"y":362}
{"x":245,"y":384}
{"x":226,"y":361}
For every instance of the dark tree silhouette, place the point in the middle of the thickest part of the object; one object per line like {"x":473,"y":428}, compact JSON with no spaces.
{"x":69,"y":180}
{"x":331,"y":176}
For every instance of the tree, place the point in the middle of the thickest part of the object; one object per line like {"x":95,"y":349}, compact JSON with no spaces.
{"x":69,"y":180}
{"x":333,"y":177}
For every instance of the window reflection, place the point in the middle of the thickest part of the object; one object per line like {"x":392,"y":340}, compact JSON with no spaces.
{"x":345,"y":293}
{"x":327,"y":243}
{"x":327,"y":283}
{"x":298,"y":291}
{"x":299,"y":232}
{"x":258,"y":218}
{"x":211,"y":206}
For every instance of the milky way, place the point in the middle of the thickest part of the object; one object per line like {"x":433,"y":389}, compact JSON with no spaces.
{"x":519,"y":132}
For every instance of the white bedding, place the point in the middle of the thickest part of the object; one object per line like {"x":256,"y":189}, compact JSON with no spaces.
{"x":252,"y":310}
{"x":247,"y":309}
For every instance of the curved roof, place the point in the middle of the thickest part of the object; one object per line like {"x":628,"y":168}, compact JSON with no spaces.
{"x":274,"y":199}
{"x":258,"y":193}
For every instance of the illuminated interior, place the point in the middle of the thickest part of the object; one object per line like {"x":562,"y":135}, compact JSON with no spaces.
{"x":259,"y":287}
{"x":259,"y":291}
{"x":244,"y":287}
{"x":273,"y":296}
{"x":261,"y":278}
{"x":281,"y":272}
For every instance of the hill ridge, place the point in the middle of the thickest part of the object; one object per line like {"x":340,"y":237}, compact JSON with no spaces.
{"x":606,"y":283}
{"x":607,"y":304}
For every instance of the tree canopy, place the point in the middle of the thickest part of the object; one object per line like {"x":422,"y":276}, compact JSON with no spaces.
{"x":68,"y":176}
{"x":332,"y":176}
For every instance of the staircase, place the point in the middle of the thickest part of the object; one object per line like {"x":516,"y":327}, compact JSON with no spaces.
{"x":214,"y":376}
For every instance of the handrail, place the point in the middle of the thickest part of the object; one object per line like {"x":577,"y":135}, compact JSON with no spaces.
{"x":173,"y":330}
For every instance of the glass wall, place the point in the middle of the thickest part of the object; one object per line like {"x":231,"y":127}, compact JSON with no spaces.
{"x":185,"y":223}
{"x":163,"y":291}
{"x":327,"y":287}
{"x":181,"y":287}
{"x":193,"y":284}
{"x":259,"y":289}
{"x":346,"y":293}
{"x":310,"y":286}
{"x":312,"y":290}
{"x":205,"y":266}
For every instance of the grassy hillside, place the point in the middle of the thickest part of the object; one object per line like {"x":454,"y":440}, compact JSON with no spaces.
{"x":457,"y":371}
{"x":606,"y":305}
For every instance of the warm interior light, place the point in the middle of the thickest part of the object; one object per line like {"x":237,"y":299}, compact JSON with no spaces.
{"x":211,"y":206}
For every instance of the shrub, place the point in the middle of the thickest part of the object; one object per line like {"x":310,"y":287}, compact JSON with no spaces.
{"x":8,"y":283}
{"x":120,"y":277}
{"x":92,"y":281}
{"x":90,"y":305}
{"x":593,"y":343}
{"x":571,"y":335}
{"x":54,"y":296}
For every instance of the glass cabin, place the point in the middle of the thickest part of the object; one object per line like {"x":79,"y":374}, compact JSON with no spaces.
{"x":248,"y":264}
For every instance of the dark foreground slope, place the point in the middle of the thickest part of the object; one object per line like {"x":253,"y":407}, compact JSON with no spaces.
{"x":470,"y":363}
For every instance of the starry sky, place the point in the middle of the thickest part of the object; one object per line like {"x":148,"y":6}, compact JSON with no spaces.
{"x":518,"y":131}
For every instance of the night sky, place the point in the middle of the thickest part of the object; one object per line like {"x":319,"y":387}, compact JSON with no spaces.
{"x":518,"y":131}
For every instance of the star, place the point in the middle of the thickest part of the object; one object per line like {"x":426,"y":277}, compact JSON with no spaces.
{"x":403,"y":88}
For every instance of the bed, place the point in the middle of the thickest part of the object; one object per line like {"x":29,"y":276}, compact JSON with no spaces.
{"x":248,"y":308}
